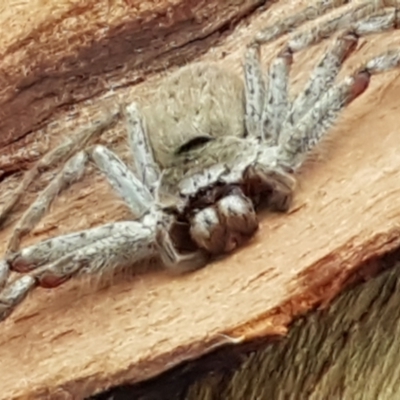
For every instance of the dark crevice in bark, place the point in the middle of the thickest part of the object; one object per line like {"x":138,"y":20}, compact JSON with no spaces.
{"x":87,"y":73}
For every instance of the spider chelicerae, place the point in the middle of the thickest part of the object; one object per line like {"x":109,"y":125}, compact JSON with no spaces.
{"x":207,"y":150}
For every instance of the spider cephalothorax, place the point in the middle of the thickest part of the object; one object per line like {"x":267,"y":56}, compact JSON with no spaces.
{"x":207,"y":149}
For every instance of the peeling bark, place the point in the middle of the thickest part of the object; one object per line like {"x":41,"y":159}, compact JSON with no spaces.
{"x":348,"y":351}
{"x":74,"y":342}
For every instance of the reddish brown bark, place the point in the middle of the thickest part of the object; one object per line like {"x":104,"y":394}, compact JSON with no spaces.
{"x":76,"y":341}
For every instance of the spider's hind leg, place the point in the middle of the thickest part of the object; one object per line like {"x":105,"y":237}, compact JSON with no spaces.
{"x":321,"y":79}
{"x":364,"y":17}
{"x":72,"y":171}
{"x":60,"y":154}
{"x":292,"y":22}
{"x":316,"y":123}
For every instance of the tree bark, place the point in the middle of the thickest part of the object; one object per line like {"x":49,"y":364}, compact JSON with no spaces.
{"x":64,"y":65}
{"x":346,"y":351}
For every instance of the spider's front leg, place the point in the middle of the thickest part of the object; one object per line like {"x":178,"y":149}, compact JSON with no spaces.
{"x":99,"y":250}
{"x":50,"y":263}
{"x":292,"y":22}
{"x":74,"y":168}
{"x":279,"y":117}
{"x":94,"y":251}
{"x":72,"y":171}
{"x":267,"y":106}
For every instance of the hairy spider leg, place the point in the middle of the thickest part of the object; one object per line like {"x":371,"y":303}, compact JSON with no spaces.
{"x":112,"y":167}
{"x":93,"y":251}
{"x":345,"y":17}
{"x":60,"y":154}
{"x":289,"y":24}
{"x":322,"y":77}
{"x":313,"y":115}
{"x":364,"y":18}
{"x":146,"y":167}
{"x":68,"y":254}
{"x":315,"y":124}
{"x":266,"y":102}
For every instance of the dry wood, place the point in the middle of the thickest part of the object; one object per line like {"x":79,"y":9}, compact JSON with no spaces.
{"x":75,"y":342}
{"x":348,"y":351}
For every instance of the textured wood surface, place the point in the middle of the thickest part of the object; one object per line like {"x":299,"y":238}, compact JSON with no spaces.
{"x":75,"y":342}
{"x":348,"y":350}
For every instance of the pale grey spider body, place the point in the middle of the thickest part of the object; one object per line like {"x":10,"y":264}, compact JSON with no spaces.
{"x":206,"y":150}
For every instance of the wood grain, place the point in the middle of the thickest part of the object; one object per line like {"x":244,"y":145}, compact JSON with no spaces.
{"x":76,"y":342}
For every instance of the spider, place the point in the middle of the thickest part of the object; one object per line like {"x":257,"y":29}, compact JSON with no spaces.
{"x":207,"y":150}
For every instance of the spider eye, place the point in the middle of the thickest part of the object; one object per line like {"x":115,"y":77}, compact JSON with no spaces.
{"x":193,"y":144}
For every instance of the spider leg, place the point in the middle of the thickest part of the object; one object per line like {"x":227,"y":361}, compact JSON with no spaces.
{"x":312,"y":127}
{"x":322,"y":78}
{"x":328,"y":68}
{"x":384,"y":62}
{"x":316,"y":123}
{"x":4,"y":273}
{"x":124,"y":182}
{"x":147,"y":169}
{"x":172,"y":259}
{"x":365,"y":18}
{"x":254,"y":91}
{"x":52,"y":249}
{"x":72,"y":171}
{"x":97,"y":250}
{"x":135,"y":194}
{"x":307,"y":112}
{"x":52,"y":158}
{"x":126,"y":243}
{"x":287,"y":25}
{"x":14,"y":294}
{"x":141,"y":200}
{"x":132,"y":191}
{"x":276,"y":103}
{"x":266,"y":105}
